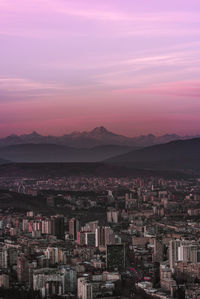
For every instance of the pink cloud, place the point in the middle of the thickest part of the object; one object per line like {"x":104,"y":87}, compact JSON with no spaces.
{"x":180,"y":89}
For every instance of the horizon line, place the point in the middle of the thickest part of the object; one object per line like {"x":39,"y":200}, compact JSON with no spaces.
{"x":91,"y":130}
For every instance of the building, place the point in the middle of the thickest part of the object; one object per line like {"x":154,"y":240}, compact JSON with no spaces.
{"x":95,"y":287}
{"x":173,"y":253}
{"x":188,"y":270}
{"x":167,"y":283}
{"x":4,"y":280}
{"x":100,"y":236}
{"x":70,"y":279}
{"x":90,"y":239}
{"x":158,"y":250}
{"x":189,"y":253}
{"x":73,"y":228}
{"x":49,"y":282}
{"x":115,"y":257}
{"x":46,"y":227}
{"x":22,"y":268}
{"x":81,"y":238}
{"x":57,"y":226}
{"x":130,"y":202}
{"x":103,"y":236}
{"x":4,"y":257}
{"x":112,"y":216}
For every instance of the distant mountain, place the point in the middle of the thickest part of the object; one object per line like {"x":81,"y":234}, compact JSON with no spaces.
{"x":59,"y":153}
{"x":177,"y":155}
{"x":97,"y":137}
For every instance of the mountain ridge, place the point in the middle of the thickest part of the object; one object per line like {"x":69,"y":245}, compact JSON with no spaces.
{"x":88,"y":139}
{"x":181,"y":155}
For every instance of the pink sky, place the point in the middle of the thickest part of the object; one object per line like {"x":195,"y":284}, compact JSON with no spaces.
{"x":132,"y":66}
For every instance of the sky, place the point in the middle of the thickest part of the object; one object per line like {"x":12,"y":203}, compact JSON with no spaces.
{"x":132,"y":66}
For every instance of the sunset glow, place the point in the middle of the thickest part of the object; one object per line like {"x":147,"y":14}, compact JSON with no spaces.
{"x":132,"y":66}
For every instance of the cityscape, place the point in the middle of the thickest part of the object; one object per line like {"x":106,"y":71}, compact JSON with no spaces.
{"x":92,"y":237}
{"x":99,"y":149}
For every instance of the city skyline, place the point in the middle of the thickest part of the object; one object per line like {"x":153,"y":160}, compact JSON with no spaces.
{"x":131,"y":66}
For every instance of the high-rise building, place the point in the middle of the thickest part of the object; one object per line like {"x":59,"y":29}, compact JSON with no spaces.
{"x":4,"y":257}
{"x":158,"y":250}
{"x":81,"y":238}
{"x":22,"y":268}
{"x":173,"y":253}
{"x":46,"y":227}
{"x":104,"y":235}
{"x":70,"y":279}
{"x":90,"y":239}
{"x":109,"y":236}
{"x":57,"y":226}
{"x":115,"y":257}
{"x":100,"y":236}
{"x":73,"y":228}
{"x":92,"y":226}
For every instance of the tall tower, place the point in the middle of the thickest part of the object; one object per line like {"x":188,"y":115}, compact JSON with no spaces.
{"x":57,"y":226}
{"x":173,"y":253}
{"x":73,"y":228}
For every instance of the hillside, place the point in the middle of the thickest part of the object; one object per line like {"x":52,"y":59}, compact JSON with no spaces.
{"x":3,"y":161}
{"x":175,"y":155}
{"x":59,"y":153}
{"x":52,"y":170}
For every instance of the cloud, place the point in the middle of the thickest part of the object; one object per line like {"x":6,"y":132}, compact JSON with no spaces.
{"x":146,"y":69}
{"x":104,"y":12}
{"x":99,"y":15}
{"x":22,"y":88}
{"x":28,"y":87}
{"x":179,"y":89}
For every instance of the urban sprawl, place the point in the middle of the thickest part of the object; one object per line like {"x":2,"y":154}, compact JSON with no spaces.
{"x":96,"y":237}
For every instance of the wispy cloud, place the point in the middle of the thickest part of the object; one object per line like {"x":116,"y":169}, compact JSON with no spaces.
{"x":101,"y":12}
{"x":23,"y":87}
{"x":100,"y":15}
{"x":27,"y":86}
{"x":143,"y":69}
{"x":188,"y":89}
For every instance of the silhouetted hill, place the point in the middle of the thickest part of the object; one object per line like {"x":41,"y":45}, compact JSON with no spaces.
{"x":52,"y":170}
{"x":175,"y":155}
{"x":3,"y":161}
{"x":59,"y":153}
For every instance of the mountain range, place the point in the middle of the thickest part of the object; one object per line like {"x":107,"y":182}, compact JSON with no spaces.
{"x":182,"y":155}
{"x":97,"y":137}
